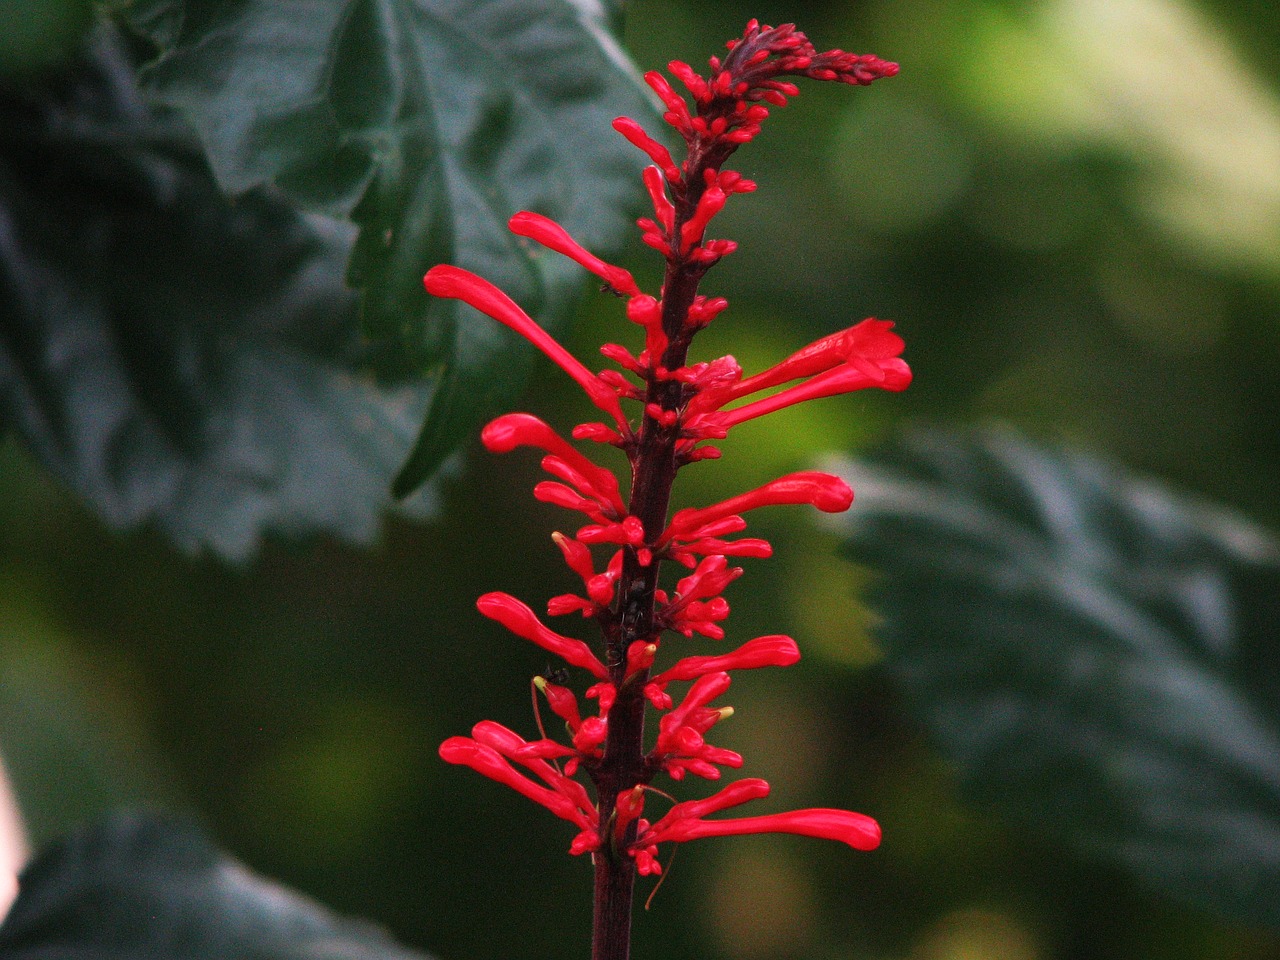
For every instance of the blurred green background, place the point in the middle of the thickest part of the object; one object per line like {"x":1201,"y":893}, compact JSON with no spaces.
{"x":1072,"y":210}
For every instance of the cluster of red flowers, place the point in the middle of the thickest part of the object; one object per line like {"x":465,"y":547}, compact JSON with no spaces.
{"x":684,"y":407}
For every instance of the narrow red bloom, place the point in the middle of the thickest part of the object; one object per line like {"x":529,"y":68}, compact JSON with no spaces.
{"x":485,"y":760}
{"x":855,"y":829}
{"x":525,"y":430}
{"x":771,"y":651}
{"x":894,"y":375}
{"x":659,"y":154}
{"x":823,"y":490}
{"x":523,"y":622}
{"x":459,"y":284}
{"x":555,"y":237}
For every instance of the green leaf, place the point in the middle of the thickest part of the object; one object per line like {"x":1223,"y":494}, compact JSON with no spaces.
{"x":176,"y":358}
{"x":428,"y":123}
{"x":138,"y":888}
{"x":1097,"y":655}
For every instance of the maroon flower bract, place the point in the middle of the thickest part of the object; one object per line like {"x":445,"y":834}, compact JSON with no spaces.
{"x":683,"y":407}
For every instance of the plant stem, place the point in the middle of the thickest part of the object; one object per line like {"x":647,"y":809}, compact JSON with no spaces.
{"x":623,"y":765}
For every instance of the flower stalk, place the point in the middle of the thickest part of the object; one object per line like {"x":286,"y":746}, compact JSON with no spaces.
{"x":682,"y":408}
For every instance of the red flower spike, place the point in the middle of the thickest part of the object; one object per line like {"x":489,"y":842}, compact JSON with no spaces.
{"x":522,"y":621}
{"x":458,"y":284}
{"x":555,"y":237}
{"x":771,"y":651}
{"x":828,"y":493}
{"x":684,"y":403}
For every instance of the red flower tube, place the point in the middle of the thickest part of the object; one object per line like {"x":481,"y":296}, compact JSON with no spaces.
{"x":459,"y":284}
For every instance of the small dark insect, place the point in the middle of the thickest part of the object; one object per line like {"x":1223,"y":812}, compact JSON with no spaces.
{"x":558,"y":675}
{"x":610,"y":288}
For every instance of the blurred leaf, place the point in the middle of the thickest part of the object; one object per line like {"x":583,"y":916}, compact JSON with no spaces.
{"x":428,"y":123}
{"x":136,"y":888}
{"x":71,"y":748}
{"x":1097,"y":655}
{"x":36,"y":33}
{"x":173,"y":357}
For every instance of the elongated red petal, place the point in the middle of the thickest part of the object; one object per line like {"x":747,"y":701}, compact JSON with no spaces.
{"x":453,"y":282}
{"x":555,"y":237}
{"x":892,"y":374}
{"x":771,"y":651}
{"x":854,"y":829}
{"x":485,"y":760}
{"x":735,"y":794}
{"x":522,"y":621}
{"x":636,"y":135}
{"x":525,"y":430}
{"x":705,"y":689}
{"x":823,"y":490}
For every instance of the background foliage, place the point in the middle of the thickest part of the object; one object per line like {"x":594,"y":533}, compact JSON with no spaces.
{"x":1070,"y":207}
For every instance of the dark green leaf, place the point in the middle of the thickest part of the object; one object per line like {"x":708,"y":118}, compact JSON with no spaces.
{"x":138,"y":888}
{"x":176,"y":358}
{"x":428,"y":123}
{"x":1097,"y":655}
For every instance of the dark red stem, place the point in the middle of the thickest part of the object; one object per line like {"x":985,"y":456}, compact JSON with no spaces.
{"x":653,"y":474}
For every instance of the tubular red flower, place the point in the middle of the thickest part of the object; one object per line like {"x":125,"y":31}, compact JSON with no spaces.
{"x":525,"y":430}
{"x":709,"y":204}
{"x":662,"y":206}
{"x":487,"y":761}
{"x":548,"y":491}
{"x":452,"y":282}
{"x":636,"y":135}
{"x":677,"y":110}
{"x":892,"y":375}
{"x":854,"y":829}
{"x":772,"y":651}
{"x":732,"y":795}
{"x":828,"y":493}
{"x":523,"y":622}
{"x":710,"y":578}
{"x":705,"y":689}
{"x":561,"y":700}
{"x":576,"y":556}
{"x":555,"y":237}
{"x":630,"y":805}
